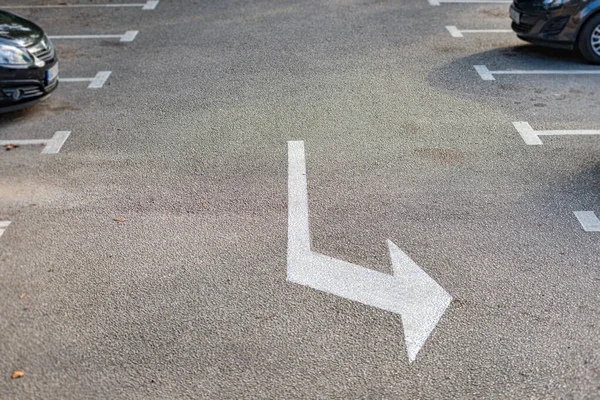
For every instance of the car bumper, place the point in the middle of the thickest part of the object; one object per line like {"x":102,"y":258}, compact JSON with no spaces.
{"x":547,"y":28}
{"x":23,"y":88}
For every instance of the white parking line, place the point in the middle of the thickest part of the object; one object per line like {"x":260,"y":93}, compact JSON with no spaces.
{"x":457,"y":33}
{"x":531,"y":137}
{"x":128,"y":36}
{"x":3,"y":226}
{"x":95,"y":83}
{"x":51,"y":146}
{"x":438,"y":2}
{"x":148,"y":5}
{"x":488,"y":75}
{"x":588,"y":220}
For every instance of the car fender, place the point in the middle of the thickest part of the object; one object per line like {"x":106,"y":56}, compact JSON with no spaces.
{"x":591,"y":9}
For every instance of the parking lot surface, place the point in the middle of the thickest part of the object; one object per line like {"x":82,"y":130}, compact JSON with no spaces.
{"x":300,"y":199}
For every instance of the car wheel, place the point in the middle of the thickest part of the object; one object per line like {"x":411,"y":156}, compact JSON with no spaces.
{"x":589,"y":40}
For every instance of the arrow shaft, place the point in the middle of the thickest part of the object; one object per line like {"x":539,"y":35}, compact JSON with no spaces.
{"x":325,"y":273}
{"x":298,"y":229}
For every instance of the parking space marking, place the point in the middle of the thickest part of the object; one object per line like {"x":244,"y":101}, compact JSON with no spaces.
{"x":3,"y":226}
{"x":588,"y":220}
{"x":457,"y":33}
{"x":488,"y":75}
{"x":148,"y":5}
{"x":128,"y":36}
{"x":438,"y":2}
{"x":51,"y":146}
{"x":531,"y":136}
{"x":95,"y":83}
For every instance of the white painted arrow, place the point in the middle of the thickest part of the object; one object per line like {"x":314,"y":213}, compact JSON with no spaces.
{"x":3,"y":226}
{"x":410,"y":292}
{"x":531,"y":137}
{"x":51,"y":146}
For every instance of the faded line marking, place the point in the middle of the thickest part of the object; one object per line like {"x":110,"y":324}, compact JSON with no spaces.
{"x":588,"y":220}
{"x":531,"y":136}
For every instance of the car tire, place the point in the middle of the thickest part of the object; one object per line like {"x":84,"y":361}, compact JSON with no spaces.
{"x":590,"y":31}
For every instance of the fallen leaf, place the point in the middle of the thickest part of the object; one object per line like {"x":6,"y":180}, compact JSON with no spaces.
{"x":10,"y":146}
{"x":17,"y":374}
{"x":119,"y":219}
{"x":23,"y":295}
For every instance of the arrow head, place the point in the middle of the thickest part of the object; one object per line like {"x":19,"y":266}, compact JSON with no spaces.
{"x":425,"y":300}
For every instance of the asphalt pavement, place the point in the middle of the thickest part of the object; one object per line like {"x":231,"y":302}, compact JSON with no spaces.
{"x":148,"y":258}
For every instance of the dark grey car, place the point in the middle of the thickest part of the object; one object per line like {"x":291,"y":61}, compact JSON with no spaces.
{"x":570,"y":24}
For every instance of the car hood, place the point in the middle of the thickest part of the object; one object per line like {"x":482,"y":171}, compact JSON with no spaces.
{"x":19,"y":30}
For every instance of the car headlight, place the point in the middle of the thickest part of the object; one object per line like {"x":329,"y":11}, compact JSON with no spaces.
{"x":552,"y":4}
{"x":47,"y":43}
{"x":10,"y":55}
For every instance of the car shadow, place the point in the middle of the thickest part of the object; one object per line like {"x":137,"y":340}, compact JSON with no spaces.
{"x":541,"y":54}
{"x":7,"y":118}
{"x":44,"y":109}
{"x":460,"y":77}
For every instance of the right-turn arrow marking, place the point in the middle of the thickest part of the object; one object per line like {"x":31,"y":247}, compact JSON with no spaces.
{"x":409,"y":292}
